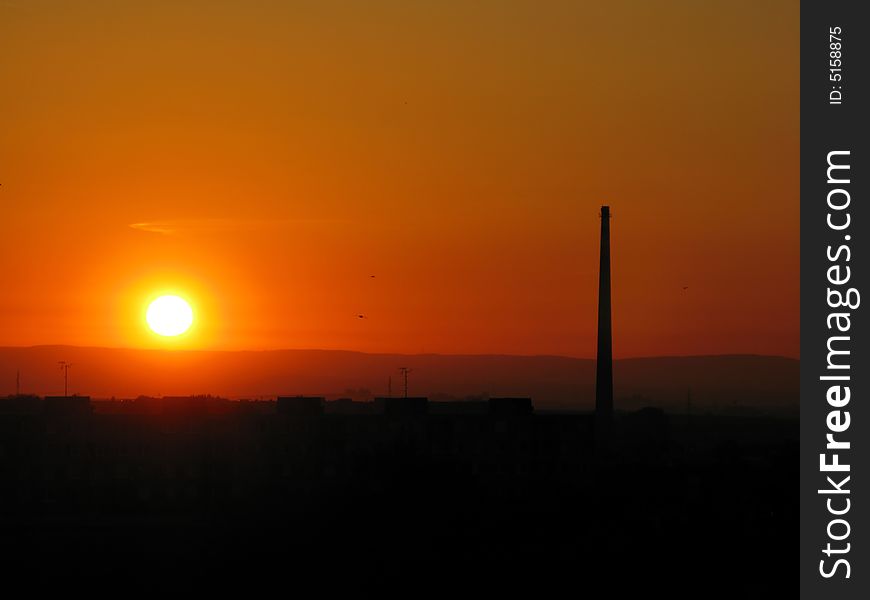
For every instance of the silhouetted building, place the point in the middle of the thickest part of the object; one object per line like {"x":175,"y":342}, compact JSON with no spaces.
{"x":510,"y":407}
{"x":300,"y":406}
{"x":604,"y":361}
{"x":459,"y":407}
{"x":20,"y":404}
{"x":348,"y":406}
{"x":404,"y":407}
{"x":646,"y":427}
{"x":182,"y":406}
{"x":67,"y":406}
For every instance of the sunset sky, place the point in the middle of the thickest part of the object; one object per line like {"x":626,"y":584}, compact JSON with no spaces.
{"x":264,"y":159}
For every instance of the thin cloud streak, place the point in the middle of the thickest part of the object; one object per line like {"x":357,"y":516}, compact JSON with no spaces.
{"x":180,"y":226}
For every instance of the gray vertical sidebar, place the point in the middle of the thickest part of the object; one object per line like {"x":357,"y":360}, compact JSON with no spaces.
{"x":827,"y":127}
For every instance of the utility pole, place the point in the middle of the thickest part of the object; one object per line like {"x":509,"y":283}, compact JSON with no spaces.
{"x":404,"y":371}
{"x":390,"y":386}
{"x":18,"y":382}
{"x":64,"y":366}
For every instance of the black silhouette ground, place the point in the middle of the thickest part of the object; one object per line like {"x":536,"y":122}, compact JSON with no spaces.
{"x":210,"y":499}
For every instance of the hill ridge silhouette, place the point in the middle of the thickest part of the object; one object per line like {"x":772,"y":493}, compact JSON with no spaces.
{"x":347,"y":351}
{"x":758,"y":382}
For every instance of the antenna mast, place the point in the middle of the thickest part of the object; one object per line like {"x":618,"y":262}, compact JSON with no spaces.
{"x":404,"y":371}
{"x":64,"y":366}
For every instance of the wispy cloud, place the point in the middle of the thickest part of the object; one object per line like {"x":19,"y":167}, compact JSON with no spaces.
{"x":154,"y":227}
{"x":179,"y":226}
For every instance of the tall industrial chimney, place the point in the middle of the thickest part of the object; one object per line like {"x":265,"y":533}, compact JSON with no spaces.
{"x":604,"y":366}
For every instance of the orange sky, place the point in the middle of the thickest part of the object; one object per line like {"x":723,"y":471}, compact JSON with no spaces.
{"x":265,"y":158}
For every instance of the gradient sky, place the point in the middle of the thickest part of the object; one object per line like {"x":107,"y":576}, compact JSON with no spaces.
{"x":265,"y":158}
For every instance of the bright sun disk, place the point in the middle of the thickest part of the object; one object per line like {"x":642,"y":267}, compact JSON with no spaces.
{"x":169,"y":316}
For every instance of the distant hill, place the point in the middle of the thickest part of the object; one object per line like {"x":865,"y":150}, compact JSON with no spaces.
{"x":720,"y":383}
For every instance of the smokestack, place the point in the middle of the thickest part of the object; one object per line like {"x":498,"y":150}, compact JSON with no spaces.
{"x":604,"y":363}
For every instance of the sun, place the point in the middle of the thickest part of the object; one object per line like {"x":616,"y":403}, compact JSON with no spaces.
{"x":169,"y":316}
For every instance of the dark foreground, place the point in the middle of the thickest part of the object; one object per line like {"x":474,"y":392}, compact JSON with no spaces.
{"x":682,"y":507}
